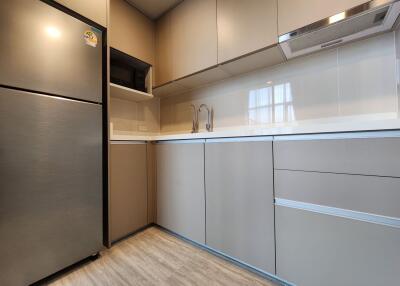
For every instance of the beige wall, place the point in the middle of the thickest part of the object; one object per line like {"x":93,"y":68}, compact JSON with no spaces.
{"x":127,"y":117}
{"x":95,"y":10}
{"x":355,"y":80}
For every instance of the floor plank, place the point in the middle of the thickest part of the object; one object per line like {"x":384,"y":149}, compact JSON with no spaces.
{"x":154,"y":257}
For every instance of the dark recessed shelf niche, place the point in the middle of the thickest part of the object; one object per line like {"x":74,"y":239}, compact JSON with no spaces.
{"x":130,"y":77}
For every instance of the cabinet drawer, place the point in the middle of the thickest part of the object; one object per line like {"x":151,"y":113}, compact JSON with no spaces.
{"x":375,"y":153}
{"x":316,"y":249}
{"x":371,"y":194}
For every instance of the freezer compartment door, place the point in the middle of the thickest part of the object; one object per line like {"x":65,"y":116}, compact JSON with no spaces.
{"x":50,"y":184}
{"x":45,"y":50}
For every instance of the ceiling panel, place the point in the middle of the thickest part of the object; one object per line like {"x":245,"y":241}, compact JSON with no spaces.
{"x":154,"y":8}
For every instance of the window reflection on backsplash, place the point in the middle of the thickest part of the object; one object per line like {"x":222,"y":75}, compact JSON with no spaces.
{"x":271,"y":104}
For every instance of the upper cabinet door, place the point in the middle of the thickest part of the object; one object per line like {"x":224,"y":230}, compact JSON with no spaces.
{"x":294,"y":14}
{"x":95,"y":10}
{"x":245,"y":27}
{"x":131,"y":32}
{"x":193,"y":36}
{"x":163,"y":67}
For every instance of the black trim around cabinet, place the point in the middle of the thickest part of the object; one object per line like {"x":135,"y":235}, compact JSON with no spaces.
{"x":74,"y":14}
{"x":106,"y":231}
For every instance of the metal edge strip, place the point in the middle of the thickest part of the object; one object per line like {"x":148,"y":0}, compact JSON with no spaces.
{"x":240,"y":139}
{"x":126,"y":142}
{"x":347,"y":135}
{"x":338,"y":212}
{"x":181,"y":141}
{"x":49,"y":94}
{"x":236,"y":261}
{"x":357,"y":10}
{"x":246,"y":265}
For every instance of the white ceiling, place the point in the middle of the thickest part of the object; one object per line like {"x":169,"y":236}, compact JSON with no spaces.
{"x":154,"y":8}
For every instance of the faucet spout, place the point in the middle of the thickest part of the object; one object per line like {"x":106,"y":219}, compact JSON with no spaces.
{"x":209,"y":124}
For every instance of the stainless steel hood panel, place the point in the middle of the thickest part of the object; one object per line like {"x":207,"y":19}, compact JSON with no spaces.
{"x":359,"y":22}
{"x":50,"y":184}
{"x":45,"y":50}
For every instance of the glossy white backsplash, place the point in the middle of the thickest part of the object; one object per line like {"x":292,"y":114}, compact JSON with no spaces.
{"x":357,"y":81}
{"x":127,"y":117}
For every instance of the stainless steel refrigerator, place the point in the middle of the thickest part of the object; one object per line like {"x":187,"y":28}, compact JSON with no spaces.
{"x":51,"y":165}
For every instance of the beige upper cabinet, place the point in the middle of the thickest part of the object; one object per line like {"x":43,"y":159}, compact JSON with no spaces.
{"x":95,"y":10}
{"x":131,"y":32}
{"x":163,"y":67}
{"x":294,"y":14}
{"x":193,"y":37}
{"x":245,"y":27}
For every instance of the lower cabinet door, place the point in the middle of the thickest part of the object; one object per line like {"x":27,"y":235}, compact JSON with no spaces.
{"x":180,"y":188}
{"x":314,"y":249}
{"x":239,"y":201}
{"x":128,"y":191}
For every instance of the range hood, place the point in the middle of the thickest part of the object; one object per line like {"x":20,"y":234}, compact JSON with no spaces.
{"x":359,"y":22}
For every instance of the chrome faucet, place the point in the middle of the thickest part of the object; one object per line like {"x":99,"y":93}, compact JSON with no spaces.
{"x":195,"y":119}
{"x":210,"y":113}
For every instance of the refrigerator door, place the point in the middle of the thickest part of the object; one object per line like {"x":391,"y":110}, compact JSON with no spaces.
{"x":50,"y":184}
{"x":45,"y":50}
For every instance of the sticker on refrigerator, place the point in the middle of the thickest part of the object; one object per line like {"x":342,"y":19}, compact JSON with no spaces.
{"x":90,"y":38}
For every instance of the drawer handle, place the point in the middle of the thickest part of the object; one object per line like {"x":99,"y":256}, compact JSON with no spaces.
{"x":344,"y":213}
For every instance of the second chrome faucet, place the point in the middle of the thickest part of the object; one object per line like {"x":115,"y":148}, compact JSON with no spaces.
{"x":195,"y":119}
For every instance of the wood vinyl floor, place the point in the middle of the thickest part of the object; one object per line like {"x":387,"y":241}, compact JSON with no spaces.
{"x":154,"y":257}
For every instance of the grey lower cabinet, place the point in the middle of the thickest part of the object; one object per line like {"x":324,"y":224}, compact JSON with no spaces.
{"x":239,"y":200}
{"x":367,"y":194}
{"x":337,"y":214}
{"x":128,"y":188}
{"x":180,"y":188}
{"x":365,"y":153}
{"x":314,"y":249}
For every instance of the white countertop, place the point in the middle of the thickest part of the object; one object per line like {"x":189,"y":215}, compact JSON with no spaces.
{"x":321,"y":126}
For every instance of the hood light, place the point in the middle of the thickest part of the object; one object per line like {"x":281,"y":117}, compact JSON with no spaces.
{"x":337,"y":17}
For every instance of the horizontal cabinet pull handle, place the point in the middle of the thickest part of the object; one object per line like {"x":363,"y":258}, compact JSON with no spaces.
{"x":344,"y":213}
